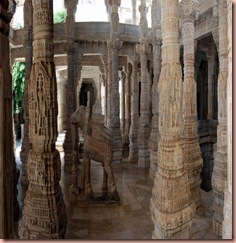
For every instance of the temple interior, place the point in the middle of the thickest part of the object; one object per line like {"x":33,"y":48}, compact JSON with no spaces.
{"x":116,"y":119}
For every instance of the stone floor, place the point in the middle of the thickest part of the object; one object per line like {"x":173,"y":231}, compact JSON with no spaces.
{"x":130,"y":219}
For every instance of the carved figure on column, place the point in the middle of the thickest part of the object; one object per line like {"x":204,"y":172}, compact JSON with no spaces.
{"x":43,"y":215}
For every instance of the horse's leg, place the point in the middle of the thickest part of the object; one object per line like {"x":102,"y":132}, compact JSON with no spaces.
{"x":88,"y":187}
{"x":113,"y":189}
{"x":104,"y":184}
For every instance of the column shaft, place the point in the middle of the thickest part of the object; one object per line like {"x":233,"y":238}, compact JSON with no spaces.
{"x":114,"y":45}
{"x":43,"y":215}
{"x":28,"y":29}
{"x":228,"y":216}
{"x":192,"y":151}
{"x":71,"y":82}
{"x":171,"y":207}
{"x":133,"y":133}
{"x":219,"y":175}
{"x":156,"y":45}
{"x":143,"y":50}
{"x":7,"y":189}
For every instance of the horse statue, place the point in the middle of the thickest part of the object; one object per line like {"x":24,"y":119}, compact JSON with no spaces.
{"x":98,"y":146}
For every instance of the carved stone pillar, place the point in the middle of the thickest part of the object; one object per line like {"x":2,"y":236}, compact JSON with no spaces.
{"x":114,"y":45}
{"x":219,"y":175}
{"x":61,"y":96}
{"x":104,"y":59}
{"x":43,"y":215}
{"x":156,"y":47}
{"x":122,"y":95}
{"x":7,"y":162}
{"x":134,"y":17}
{"x":127,"y":100}
{"x":143,"y":50}
{"x":228,"y":216}
{"x":133,"y":133}
{"x":28,"y":33}
{"x":210,"y":52}
{"x":192,"y":152}
{"x":171,"y":206}
{"x":71,"y":82}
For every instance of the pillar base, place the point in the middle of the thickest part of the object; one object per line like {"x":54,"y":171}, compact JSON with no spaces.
{"x":44,"y":215}
{"x":172,"y":226}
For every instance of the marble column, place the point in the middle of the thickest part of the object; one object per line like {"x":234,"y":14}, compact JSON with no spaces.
{"x":71,"y":82}
{"x":43,"y":215}
{"x":227,"y":230}
{"x":127,"y":100}
{"x":61,"y":95}
{"x":192,"y":152}
{"x":143,"y":50}
{"x":133,"y":133}
{"x":122,"y":95}
{"x":114,"y":45}
{"x":7,"y":162}
{"x":156,"y":47}
{"x":134,"y":15}
{"x":28,"y":34}
{"x":104,"y":59}
{"x":219,"y":175}
{"x":171,"y":206}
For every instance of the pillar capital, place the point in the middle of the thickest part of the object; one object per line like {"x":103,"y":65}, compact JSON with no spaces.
{"x":71,"y":6}
{"x":189,"y":10}
{"x":114,"y":44}
{"x":143,"y":48}
{"x":115,"y":3}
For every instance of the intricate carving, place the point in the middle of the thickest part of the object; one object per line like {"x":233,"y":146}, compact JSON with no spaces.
{"x":171,"y":206}
{"x":43,"y":220}
{"x":189,"y":8}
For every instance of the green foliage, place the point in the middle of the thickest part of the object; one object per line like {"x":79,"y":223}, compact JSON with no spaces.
{"x":18,"y":80}
{"x":60,"y":16}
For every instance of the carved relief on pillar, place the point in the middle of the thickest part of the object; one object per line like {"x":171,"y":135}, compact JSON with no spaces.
{"x":171,"y":206}
{"x":189,"y":10}
{"x":192,"y":153}
{"x":219,"y":175}
{"x":227,"y":229}
{"x":40,"y":219}
{"x":155,"y":36}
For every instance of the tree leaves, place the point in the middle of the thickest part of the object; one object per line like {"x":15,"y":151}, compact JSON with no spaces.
{"x":18,"y":80}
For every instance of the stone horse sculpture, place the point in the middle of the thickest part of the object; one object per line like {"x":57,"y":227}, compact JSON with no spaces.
{"x":97,"y":146}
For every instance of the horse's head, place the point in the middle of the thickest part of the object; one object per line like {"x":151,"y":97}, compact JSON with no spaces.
{"x":81,"y":118}
{"x":78,"y":116}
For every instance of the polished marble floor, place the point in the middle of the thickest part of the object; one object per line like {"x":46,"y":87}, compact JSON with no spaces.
{"x":130,"y":219}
